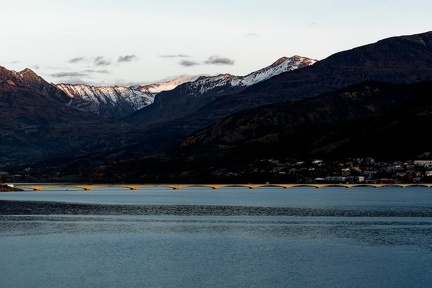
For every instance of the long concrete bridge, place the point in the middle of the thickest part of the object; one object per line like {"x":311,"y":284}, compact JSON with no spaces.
{"x":90,"y":186}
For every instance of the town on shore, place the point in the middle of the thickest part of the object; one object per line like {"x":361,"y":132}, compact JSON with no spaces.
{"x":358,"y":170}
{"x":355,"y":171}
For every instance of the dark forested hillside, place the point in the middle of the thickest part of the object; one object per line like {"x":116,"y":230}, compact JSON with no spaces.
{"x":370,"y":119}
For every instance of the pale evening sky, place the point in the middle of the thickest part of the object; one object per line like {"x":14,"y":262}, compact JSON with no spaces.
{"x":109,"y":42}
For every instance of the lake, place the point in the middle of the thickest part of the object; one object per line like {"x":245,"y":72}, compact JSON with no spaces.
{"x":228,"y":237}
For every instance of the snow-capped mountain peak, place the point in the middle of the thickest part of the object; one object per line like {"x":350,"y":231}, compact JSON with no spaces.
{"x":281,"y":65}
{"x":284,"y":64}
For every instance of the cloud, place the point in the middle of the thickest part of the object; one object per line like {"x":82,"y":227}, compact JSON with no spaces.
{"x":188,"y":63}
{"x":69,"y":74}
{"x":127,"y":58}
{"x":101,"y":61}
{"x":84,"y":73}
{"x":174,"y":56}
{"x":97,"y":71}
{"x":253,"y":35}
{"x":77,"y":60}
{"x":217,"y":60}
{"x":98,"y":60}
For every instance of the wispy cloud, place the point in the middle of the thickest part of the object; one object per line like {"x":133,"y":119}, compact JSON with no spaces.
{"x":84,"y":73}
{"x":97,"y":71}
{"x":101,"y":61}
{"x":174,"y":56}
{"x":217,"y":60}
{"x":127,"y":58}
{"x":253,"y":35}
{"x":69,"y":74}
{"x":188,"y":63}
{"x":77,"y":60}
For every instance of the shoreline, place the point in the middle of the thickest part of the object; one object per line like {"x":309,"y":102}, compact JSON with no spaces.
{"x":7,"y":188}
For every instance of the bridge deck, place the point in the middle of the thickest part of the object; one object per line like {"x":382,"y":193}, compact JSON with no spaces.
{"x":38,"y":187}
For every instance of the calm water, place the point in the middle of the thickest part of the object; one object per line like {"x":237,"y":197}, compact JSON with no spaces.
{"x":229,"y":237}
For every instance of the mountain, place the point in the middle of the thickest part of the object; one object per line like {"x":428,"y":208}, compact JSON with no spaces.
{"x":117,"y":101}
{"x":403,"y":59}
{"x":30,"y":79}
{"x":36,"y":127}
{"x":191,"y":96}
{"x":114,"y":102}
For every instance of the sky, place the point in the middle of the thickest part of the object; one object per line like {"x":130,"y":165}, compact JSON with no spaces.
{"x":137,"y":42}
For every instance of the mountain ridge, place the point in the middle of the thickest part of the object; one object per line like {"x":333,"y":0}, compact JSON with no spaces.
{"x":191,"y":96}
{"x":332,"y":73}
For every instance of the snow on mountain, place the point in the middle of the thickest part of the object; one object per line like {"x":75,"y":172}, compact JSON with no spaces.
{"x":168,"y":84}
{"x":117,"y":101}
{"x":189,"y":97}
{"x":284,"y":64}
{"x":113,"y":101}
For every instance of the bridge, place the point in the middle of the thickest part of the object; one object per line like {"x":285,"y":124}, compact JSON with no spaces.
{"x":90,"y":186}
